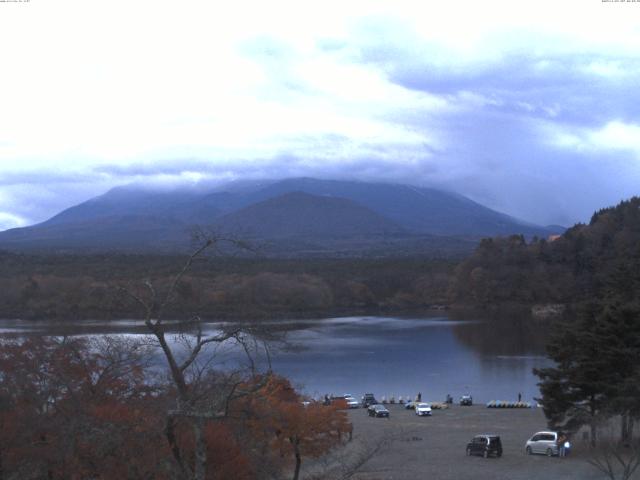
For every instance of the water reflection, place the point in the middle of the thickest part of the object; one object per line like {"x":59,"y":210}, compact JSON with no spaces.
{"x":435,"y":356}
{"x":510,"y":337}
{"x":387,"y":356}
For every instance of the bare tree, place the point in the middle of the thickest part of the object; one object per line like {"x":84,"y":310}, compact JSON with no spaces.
{"x":616,"y":458}
{"x":616,"y":461}
{"x":353,"y":460}
{"x":202,"y":395}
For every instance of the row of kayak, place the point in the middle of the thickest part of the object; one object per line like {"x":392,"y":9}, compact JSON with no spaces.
{"x":502,"y":404}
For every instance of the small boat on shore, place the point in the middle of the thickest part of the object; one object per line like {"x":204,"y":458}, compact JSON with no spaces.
{"x":504,"y":404}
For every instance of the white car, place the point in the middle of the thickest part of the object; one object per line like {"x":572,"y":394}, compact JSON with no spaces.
{"x":352,"y":402}
{"x":545,"y":443}
{"x":423,"y":409}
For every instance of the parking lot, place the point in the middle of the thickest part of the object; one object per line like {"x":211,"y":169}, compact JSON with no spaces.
{"x":434,"y":447}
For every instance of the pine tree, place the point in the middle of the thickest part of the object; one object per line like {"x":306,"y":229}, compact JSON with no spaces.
{"x":597,"y":369}
{"x":618,"y":329}
{"x":574,"y":391}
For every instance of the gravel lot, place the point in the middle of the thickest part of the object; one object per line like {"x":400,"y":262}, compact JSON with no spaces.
{"x":434,"y":447}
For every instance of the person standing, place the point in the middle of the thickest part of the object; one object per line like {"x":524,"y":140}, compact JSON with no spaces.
{"x":562,"y":439}
{"x":419,"y":397}
{"x":519,"y":397}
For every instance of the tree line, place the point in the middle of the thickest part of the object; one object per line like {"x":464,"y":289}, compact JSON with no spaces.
{"x":594,"y":270}
{"x":570,"y":269}
{"x":77,"y":287}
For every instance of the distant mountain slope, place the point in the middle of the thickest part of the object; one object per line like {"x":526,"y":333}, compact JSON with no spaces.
{"x":422,"y":210}
{"x":127,"y":201}
{"x":117,"y":232}
{"x":135,"y":218}
{"x":299,"y":214}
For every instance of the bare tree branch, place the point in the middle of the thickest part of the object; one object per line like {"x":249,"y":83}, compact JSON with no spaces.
{"x":201,"y":395}
{"x":617,"y":462}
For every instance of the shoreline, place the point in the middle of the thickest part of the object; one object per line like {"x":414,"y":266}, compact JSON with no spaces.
{"x":434,"y":447}
{"x":271,"y":317}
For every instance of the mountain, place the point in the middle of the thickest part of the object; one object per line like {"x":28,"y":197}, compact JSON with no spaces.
{"x":130,"y":201}
{"x":108,"y":232}
{"x":299,"y":214}
{"x":422,"y":210}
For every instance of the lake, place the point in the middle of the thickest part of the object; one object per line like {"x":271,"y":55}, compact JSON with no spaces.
{"x":388,"y":356}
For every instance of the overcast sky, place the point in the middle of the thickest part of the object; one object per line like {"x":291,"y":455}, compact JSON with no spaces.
{"x":532,"y":108}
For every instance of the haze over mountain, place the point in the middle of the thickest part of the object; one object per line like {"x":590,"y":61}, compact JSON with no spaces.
{"x":292,"y":215}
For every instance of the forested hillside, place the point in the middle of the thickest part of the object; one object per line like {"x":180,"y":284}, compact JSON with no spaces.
{"x":70,"y":287}
{"x":578,"y":265}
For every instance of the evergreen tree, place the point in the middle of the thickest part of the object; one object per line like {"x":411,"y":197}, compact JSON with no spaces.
{"x":618,"y":329}
{"x":575,"y":390}
{"x":597,"y":369}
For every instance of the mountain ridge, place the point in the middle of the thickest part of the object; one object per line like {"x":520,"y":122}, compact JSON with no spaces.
{"x":339,"y":215}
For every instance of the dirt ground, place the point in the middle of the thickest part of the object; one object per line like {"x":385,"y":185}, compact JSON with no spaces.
{"x":416,"y":448}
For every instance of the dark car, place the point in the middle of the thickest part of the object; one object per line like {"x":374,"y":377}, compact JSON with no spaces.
{"x":378,"y":411}
{"x":485,"y":445}
{"x":368,"y":400}
{"x":466,"y":400}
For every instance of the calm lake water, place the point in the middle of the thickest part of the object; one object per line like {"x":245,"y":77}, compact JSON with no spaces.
{"x":384,"y":355}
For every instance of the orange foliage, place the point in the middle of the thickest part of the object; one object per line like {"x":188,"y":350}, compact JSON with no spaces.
{"x":277,"y":416}
{"x":69,"y":412}
{"x":226,"y":455}
{"x":73,"y":409}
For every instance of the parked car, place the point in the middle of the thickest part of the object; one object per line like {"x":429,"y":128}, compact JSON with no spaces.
{"x":466,"y":400}
{"x":368,"y":399}
{"x":485,"y":445}
{"x":378,"y":411}
{"x":545,"y":443}
{"x":410,"y":405}
{"x":351,"y":402}
{"x":423,"y":409}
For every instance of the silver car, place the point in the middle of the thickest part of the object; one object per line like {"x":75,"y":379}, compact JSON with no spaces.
{"x":545,"y":443}
{"x":351,"y":402}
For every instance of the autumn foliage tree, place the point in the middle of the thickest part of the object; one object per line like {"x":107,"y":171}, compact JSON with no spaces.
{"x":75,"y":409}
{"x":309,"y":431}
{"x":293,"y":430}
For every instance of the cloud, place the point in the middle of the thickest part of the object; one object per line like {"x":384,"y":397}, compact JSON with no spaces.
{"x":614,"y":136}
{"x":531,"y":108}
{"x":9,"y":220}
{"x":617,"y":135}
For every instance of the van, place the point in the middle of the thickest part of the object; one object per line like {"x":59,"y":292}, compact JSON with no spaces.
{"x":485,"y":446}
